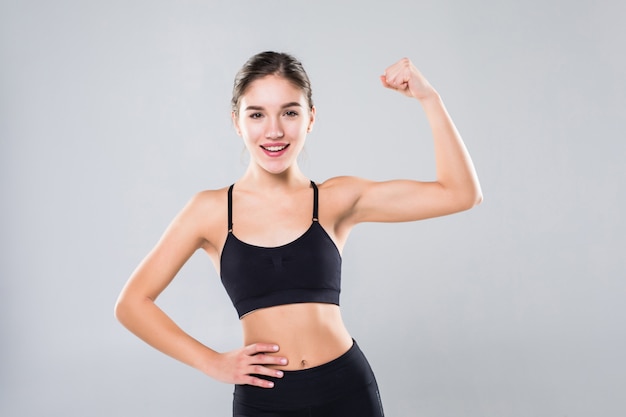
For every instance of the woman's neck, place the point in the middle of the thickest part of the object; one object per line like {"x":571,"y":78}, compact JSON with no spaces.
{"x":258,"y":178}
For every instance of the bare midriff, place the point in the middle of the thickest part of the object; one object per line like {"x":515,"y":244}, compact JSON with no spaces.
{"x":308,"y":334}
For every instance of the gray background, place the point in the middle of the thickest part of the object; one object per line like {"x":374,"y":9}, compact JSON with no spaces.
{"x":113,"y":114}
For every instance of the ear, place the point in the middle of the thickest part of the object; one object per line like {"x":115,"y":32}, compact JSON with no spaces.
{"x":312,"y":119}
{"x":235,"y":120}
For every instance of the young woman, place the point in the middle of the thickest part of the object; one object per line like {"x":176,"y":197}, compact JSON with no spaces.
{"x":276,"y":238}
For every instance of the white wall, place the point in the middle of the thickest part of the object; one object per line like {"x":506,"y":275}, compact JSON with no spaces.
{"x":113,"y":114}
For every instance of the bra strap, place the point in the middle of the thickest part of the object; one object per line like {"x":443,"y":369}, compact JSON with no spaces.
{"x":230,"y":208}
{"x":315,"y":200}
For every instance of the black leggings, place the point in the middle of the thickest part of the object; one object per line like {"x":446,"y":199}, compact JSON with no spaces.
{"x":342,"y":387}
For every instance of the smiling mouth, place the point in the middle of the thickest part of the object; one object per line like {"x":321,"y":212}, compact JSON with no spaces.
{"x":276,"y":148}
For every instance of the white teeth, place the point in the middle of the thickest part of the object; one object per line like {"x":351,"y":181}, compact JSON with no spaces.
{"x":274,"y":148}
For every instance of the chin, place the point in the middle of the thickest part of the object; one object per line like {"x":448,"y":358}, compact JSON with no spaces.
{"x":275,"y":170}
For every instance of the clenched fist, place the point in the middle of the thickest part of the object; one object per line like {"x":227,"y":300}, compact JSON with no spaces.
{"x":405,"y":78}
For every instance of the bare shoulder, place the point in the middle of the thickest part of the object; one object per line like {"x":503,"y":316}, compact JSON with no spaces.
{"x":345,"y":189}
{"x":209,"y":199}
{"x":339,"y":195}
{"x":344,"y":184}
{"x":338,"y":198}
{"x":206,"y":213}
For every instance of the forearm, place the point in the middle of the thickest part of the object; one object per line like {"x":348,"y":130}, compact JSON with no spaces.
{"x":454,"y":166}
{"x":147,"y":321}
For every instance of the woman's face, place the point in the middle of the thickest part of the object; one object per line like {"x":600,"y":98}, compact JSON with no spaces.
{"x":273,"y":121}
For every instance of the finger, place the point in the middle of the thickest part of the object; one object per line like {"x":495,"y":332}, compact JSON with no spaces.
{"x":264,"y":359}
{"x":259,"y":382}
{"x":400,"y":72}
{"x":259,"y":370}
{"x":396,"y":77}
{"x":387,"y":83}
{"x":393,"y":74}
{"x":256,"y":348}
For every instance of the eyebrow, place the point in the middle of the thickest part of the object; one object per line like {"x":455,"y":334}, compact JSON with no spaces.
{"x":284,"y":106}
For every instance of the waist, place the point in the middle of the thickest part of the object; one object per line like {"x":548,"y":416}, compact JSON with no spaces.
{"x":308,"y":334}
{"x":338,"y":378}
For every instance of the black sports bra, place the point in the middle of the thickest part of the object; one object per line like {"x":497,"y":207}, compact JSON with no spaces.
{"x":306,"y":270}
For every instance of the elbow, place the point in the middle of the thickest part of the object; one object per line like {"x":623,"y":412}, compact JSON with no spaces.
{"x":462,"y":196}
{"x":124,"y":309}
{"x":120,"y":310}
{"x":128,"y":308}
{"x":474,"y":195}
{"x":470,"y":200}
{"x":478,"y":198}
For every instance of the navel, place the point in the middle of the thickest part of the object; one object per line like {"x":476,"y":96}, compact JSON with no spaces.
{"x":303,"y":363}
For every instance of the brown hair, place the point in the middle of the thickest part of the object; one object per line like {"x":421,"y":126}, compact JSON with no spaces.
{"x":271,"y":63}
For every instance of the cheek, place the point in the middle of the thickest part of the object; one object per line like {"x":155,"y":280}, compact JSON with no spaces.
{"x":249,"y":130}
{"x":297,"y":129}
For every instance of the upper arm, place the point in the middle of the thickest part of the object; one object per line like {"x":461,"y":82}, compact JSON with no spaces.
{"x":189,"y":231}
{"x":403,"y":200}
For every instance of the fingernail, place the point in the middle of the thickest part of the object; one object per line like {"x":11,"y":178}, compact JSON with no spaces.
{"x":283,"y":361}
{"x":271,"y":385}
{"x":275,"y":347}
{"x":279,"y":374}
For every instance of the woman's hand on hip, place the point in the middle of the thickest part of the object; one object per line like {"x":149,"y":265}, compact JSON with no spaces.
{"x":244,"y":366}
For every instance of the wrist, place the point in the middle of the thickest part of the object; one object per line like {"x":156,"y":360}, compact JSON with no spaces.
{"x":207,"y":362}
{"x":429,"y":98}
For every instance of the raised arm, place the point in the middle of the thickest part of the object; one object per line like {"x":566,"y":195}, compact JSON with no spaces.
{"x":456,"y":187}
{"x":137,"y":311}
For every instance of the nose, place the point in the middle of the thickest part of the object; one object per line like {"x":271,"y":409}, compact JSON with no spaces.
{"x":274,"y":130}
